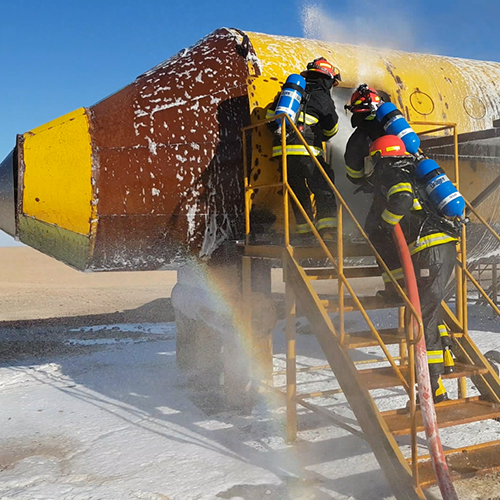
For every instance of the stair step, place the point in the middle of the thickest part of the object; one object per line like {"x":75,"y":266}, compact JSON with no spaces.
{"x":369,"y":302}
{"x":381,"y":378}
{"x":366,"y":338}
{"x":384,"y":377}
{"x":329,"y":273}
{"x":449,"y":413}
{"x":463,"y":462}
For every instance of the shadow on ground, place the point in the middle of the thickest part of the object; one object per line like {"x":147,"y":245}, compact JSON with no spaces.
{"x":45,"y":337}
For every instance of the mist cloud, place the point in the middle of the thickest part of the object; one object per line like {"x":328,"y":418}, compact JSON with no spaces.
{"x":374,"y":24}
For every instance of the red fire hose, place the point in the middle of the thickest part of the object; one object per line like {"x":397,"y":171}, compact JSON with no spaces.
{"x":424,"y":383}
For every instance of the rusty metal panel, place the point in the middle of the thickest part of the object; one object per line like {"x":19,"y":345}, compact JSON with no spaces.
{"x":196,"y":218}
{"x":168,"y":149}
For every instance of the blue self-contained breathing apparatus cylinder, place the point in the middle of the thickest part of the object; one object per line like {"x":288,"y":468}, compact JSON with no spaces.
{"x":291,"y":97}
{"x":440,"y":190}
{"x":394,"y":123}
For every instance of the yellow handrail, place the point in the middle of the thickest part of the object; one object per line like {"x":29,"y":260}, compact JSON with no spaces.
{"x":462,"y":273}
{"x":288,"y":192}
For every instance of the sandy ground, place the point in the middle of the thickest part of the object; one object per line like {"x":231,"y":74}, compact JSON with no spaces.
{"x":71,"y":394}
{"x":34,"y":286}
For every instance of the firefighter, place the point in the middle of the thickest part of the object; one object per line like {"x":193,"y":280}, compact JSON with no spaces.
{"x":363,"y":105}
{"x":431,"y":241}
{"x":318,"y":123}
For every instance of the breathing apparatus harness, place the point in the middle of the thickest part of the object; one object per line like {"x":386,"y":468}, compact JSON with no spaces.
{"x":303,"y":110}
{"x":431,"y":215}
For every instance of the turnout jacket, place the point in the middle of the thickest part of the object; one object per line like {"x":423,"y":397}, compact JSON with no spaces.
{"x":431,"y":245}
{"x":317,"y":122}
{"x":396,"y":201}
{"x":367,"y":130}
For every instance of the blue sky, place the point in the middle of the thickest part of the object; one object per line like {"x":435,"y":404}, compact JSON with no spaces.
{"x":59,"y":55}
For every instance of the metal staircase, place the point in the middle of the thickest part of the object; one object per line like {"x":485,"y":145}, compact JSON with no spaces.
{"x":406,"y":475}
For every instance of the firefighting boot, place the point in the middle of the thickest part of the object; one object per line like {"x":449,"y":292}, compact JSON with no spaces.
{"x":303,"y":235}
{"x":439,"y":393}
{"x":449,"y":362}
{"x":327,"y":229}
{"x":328,"y":235}
{"x":447,"y":343}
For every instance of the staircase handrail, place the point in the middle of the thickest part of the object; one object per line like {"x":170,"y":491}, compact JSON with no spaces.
{"x":287,"y":190}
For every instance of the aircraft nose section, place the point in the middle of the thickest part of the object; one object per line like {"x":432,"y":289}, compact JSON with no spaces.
{"x":8,"y":187}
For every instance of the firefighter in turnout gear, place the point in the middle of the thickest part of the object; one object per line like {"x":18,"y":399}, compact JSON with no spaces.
{"x":363,"y":106}
{"x":318,"y":122}
{"x":431,"y":241}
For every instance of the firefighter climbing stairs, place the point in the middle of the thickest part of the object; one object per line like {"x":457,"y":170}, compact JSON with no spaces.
{"x":406,"y":475}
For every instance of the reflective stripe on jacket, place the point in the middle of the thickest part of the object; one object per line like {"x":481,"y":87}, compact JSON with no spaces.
{"x":317,"y":122}
{"x":296,"y":149}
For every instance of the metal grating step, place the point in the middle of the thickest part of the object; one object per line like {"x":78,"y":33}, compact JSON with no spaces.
{"x":463,"y":462}
{"x":366,"y":339}
{"x":449,"y":413}
{"x":384,"y":377}
{"x":369,"y":302}
{"x":329,"y":273}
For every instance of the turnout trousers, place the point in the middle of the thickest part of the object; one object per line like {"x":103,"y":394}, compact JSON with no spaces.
{"x":305,"y":178}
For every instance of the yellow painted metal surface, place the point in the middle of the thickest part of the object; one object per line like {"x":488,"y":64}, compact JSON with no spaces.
{"x":426,"y":88}
{"x":57,"y":174}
